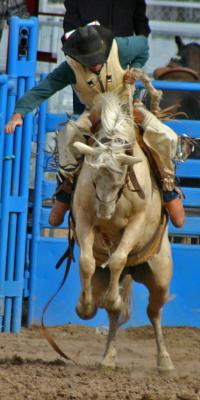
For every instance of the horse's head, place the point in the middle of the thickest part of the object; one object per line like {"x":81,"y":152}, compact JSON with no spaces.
{"x":109,"y":170}
{"x":111,"y":155}
{"x":188,"y":55}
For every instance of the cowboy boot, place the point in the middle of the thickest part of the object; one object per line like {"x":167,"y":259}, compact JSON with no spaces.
{"x":62,"y":200}
{"x":174,"y":206}
{"x":58,"y":212}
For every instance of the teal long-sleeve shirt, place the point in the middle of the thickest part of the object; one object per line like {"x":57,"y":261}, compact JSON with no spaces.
{"x":133,"y":50}
{"x":59,"y":78}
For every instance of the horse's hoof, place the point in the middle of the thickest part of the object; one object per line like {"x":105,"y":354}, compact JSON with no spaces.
{"x":86,"y":312}
{"x":109,"y":361}
{"x":113,"y":305}
{"x":165,"y":364}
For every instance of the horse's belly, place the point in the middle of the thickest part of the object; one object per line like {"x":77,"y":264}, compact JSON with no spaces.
{"x":108,"y":236}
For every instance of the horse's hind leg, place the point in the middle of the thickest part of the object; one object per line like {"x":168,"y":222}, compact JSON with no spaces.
{"x":157,"y":299}
{"x":117,"y":318}
{"x":100,"y":283}
{"x":158,"y":285}
{"x":110,"y":354}
{"x":156,"y":277}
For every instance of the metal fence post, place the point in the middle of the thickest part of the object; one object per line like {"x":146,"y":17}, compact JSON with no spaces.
{"x":21,"y":65}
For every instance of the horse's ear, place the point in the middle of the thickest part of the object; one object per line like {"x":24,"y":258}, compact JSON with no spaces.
{"x":84,"y":149}
{"x":127,"y":160}
{"x":179,"y":42}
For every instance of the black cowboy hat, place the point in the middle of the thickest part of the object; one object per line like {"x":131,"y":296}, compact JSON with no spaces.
{"x":89,"y":45}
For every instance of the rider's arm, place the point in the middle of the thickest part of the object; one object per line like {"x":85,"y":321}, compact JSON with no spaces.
{"x":133,"y":51}
{"x":55,"y":81}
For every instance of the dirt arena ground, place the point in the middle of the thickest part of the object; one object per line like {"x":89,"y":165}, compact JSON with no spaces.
{"x":31,"y":370}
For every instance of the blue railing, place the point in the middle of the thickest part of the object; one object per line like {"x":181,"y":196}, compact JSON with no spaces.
{"x":15,"y":165}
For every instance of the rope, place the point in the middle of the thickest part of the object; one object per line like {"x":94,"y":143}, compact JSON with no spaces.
{"x":68,"y":254}
{"x":155,"y":95}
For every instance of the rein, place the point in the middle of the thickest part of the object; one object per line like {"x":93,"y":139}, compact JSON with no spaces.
{"x":69,"y":255}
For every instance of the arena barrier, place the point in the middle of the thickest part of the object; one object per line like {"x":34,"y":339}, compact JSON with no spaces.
{"x":28,"y":277}
{"x":15,"y":154}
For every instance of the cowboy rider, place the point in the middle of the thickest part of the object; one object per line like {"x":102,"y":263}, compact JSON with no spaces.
{"x":92,"y":66}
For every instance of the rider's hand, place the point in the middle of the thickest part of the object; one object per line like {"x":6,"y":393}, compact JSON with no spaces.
{"x":16,"y":120}
{"x":83,"y":122}
{"x":129,"y":77}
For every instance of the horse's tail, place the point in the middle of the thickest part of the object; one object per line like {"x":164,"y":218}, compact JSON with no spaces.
{"x":125,"y":292}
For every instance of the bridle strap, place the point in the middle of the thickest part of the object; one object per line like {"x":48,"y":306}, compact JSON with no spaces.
{"x":135,"y":183}
{"x":109,"y":201}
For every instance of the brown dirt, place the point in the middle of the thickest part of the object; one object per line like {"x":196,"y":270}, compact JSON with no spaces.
{"x":31,"y":370}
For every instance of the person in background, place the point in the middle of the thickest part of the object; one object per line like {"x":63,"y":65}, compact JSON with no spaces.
{"x":9,"y":8}
{"x":93,"y":67}
{"x":125,"y":18}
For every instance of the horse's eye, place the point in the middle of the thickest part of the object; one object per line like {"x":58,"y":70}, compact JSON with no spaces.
{"x":119,"y":141}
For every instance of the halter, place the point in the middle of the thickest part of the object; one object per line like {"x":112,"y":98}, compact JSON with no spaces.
{"x":124,"y":143}
{"x":116,"y":198}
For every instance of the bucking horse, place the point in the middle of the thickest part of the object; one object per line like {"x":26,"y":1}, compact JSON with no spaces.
{"x":120,"y":227}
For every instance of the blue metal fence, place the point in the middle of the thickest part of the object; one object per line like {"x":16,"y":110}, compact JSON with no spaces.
{"x":16,"y":153}
{"x":183,"y":310}
{"x":27,"y":260}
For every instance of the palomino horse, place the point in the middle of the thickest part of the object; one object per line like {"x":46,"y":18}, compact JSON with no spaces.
{"x":117,"y":227}
{"x":184,"y":67}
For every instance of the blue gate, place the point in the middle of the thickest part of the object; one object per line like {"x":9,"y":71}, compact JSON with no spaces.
{"x":14,"y":173}
{"x":184,"y":305}
{"x":27,"y":257}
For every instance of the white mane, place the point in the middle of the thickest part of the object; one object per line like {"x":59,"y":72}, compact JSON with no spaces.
{"x":115,"y":118}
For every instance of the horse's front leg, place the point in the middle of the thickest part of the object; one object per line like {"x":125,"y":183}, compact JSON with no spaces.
{"x":112,"y":299}
{"x":86,"y":307}
{"x":116,"y":317}
{"x":118,"y":260}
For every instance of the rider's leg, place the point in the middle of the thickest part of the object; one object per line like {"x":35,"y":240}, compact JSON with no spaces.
{"x":62,"y":201}
{"x":69,"y":166}
{"x":162,"y":141}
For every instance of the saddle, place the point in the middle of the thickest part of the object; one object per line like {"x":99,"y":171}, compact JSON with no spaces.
{"x":153,"y":165}
{"x":179,"y":73}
